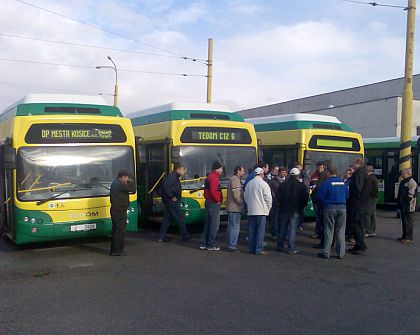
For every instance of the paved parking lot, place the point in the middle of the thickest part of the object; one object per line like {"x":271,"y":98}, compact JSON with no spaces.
{"x":175,"y":288}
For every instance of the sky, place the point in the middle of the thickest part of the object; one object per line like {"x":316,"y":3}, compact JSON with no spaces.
{"x":264,"y":51}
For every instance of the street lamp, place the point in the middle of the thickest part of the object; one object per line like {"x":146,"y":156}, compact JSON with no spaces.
{"x":116,"y":78}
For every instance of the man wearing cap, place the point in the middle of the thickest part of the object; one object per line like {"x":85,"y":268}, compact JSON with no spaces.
{"x":258,"y":199}
{"x":214,"y":197}
{"x":292,"y":197}
{"x":119,"y":194}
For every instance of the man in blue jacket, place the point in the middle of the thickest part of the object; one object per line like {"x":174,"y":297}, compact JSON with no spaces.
{"x":333,"y":194}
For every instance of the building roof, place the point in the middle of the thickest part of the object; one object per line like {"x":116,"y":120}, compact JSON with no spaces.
{"x":350,"y":96}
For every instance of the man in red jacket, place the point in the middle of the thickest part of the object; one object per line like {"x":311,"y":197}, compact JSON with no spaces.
{"x":214,"y":198}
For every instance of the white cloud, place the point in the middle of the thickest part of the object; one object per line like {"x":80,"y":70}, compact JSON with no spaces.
{"x":266,"y":66}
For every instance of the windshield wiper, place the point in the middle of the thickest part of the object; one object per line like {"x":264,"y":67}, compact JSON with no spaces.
{"x":44,"y":188}
{"x":43,"y":201}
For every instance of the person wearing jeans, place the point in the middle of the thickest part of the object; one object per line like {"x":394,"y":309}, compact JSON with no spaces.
{"x":406,"y":205}
{"x":234,"y":206}
{"x":214,"y":198}
{"x":291,"y":199}
{"x":333,"y":194}
{"x":288,"y":224}
{"x":258,"y":199}
{"x":171,"y":196}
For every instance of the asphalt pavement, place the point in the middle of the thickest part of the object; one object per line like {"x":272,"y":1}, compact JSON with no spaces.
{"x":175,"y":288}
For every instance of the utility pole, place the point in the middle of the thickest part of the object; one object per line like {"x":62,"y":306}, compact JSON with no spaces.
{"x":407,"y":102}
{"x":114,"y":67}
{"x":209,"y":70}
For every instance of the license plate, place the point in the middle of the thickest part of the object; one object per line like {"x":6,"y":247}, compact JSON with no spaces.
{"x":223,"y":212}
{"x":83,"y":227}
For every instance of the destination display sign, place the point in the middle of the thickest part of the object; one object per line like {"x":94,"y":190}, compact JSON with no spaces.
{"x":334,"y":143}
{"x":215,"y":135}
{"x":53,"y":133}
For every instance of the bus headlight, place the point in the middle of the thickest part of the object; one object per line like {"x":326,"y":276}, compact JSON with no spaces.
{"x":26,"y":219}
{"x":186,"y":206}
{"x":132,"y":210}
{"x":187,"y":214}
{"x":33,"y":220}
{"x":127,"y":221}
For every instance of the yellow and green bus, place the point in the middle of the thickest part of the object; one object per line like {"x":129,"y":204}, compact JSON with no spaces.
{"x":306,"y":139}
{"x":58,"y":157}
{"x":383,"y":154}
{"x":195,"y":135}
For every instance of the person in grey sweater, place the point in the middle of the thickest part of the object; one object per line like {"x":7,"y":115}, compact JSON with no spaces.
{"x":234,"y":206}
{"x":259,"y":201}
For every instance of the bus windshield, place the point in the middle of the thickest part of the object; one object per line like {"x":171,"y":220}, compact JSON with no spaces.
{"x":199,"y":159}
{"x":341,"y":160}
{"x":70,"y":172}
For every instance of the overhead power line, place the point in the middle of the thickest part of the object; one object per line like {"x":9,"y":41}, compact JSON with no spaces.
{"x":105,"y":30}
{"x":374,"y":4}
{"x":97,"y":47}
{"x":52,"y":88}
{"x":94,"y":67}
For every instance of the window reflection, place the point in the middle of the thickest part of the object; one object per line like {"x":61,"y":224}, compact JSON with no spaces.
{"x":73,"y":172}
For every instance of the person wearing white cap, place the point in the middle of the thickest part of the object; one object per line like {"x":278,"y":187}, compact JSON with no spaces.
{"x":292,"y":197}
{"x":259,"y":200}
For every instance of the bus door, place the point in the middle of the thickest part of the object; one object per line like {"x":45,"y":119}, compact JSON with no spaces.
{"x":153,"y":167}
{"x":391,"y":176}
{"x":7,"y":164}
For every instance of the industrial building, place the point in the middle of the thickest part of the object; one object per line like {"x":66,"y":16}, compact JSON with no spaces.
{"x":372,"y":110}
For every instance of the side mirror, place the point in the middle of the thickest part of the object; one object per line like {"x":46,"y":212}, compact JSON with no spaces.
{"x":175,"y":154}
{"x":9,"y":155}
{"x":142,"y":153}
{"x":307,"y":160}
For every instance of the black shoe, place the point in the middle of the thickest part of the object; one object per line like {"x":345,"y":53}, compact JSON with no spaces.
{"x":318,"y":246}
{"x":324,"y":256}
{"x":120,"y":253}
{"x":165,"y":239}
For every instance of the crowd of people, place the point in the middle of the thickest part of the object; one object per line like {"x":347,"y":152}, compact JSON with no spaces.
{"x":344,"y":206}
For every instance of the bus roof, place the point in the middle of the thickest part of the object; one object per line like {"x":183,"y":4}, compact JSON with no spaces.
{"x":387,"y":142}
{"x":48,"y":103}
{"x":297,"y":121}
{"x":293,"y":117}
{"x":180,"y":106}
{"x":183,"y":111}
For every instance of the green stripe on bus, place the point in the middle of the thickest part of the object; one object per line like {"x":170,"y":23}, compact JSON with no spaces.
{"x":292,"y":125}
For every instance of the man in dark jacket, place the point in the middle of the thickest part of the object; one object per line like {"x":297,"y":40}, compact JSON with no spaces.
{"x":333,"y":194}
{"x":370,"y":214}
{"x":214,"y":198}
{"x":357,"y":204}
{"x":274,"y":184}
{"x":119,"y":196}
{"x":406,"y":205}
{"x":171,"y":196}
{"x":292,"y":197}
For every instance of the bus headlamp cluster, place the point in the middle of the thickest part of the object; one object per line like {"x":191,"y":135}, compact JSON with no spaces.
{"x":32,"y":220}
{"x":183,"y":205}
{"x":131,"y":210}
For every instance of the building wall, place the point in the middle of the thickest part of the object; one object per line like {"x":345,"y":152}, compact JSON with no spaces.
{"x":373,"y":110}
